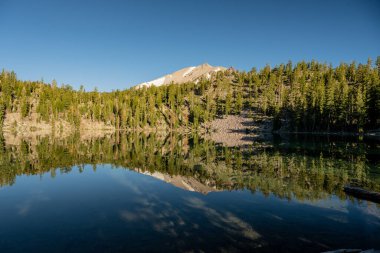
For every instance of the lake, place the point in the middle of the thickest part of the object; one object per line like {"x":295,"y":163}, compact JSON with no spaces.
{"x":154,"y":193}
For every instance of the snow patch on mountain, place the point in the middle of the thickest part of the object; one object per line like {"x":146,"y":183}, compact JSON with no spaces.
{"x":156,"y":82}
{"x":188,"y":71}
{"x":189,"y":74}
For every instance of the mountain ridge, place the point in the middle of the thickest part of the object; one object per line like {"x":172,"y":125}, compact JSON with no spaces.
{"x":188,"y":74}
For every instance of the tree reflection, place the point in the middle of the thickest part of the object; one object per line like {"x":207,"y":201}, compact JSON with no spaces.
{"x":287,"y":170}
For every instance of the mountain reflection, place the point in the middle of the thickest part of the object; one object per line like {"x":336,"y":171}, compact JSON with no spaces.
{"x":305,"y":170}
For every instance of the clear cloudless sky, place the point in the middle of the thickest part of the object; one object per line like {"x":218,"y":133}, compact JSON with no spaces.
{"x":116,"y":44}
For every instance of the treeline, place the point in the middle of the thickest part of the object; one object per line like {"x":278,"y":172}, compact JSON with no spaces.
{"x":168,"y":106}
{"x":309,"y":96}
{"x":317,"y":97}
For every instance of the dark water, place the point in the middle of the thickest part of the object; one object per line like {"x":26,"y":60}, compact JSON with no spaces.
{"x":129,"y":193}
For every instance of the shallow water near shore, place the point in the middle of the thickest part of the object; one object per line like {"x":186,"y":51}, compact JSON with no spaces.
{"x":181,"y":193}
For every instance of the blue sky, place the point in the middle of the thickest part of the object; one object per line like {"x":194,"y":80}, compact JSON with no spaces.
{"x":115,"y":44}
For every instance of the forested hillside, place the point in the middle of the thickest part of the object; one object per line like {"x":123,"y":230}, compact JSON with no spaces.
{"x":307,"y":96}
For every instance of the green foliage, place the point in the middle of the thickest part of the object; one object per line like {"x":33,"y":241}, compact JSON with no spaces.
{"x":306,"y":96}
{"x":2,"y":113}
{"x":24,"y":108}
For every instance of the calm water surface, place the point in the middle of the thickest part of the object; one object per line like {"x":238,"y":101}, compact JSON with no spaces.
{"x":152,"y":193}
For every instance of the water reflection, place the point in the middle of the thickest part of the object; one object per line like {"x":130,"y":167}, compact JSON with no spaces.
{"x":291,"y":168}
{"x":136,"y":192}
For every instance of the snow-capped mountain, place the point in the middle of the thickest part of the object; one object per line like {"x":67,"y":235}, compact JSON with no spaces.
{"x":189,"y":74}
{"x":186,"y":183}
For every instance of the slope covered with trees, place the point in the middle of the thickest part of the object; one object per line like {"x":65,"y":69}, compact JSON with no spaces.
{"x":307,"y":96}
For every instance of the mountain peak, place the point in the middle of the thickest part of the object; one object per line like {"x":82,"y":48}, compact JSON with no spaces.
{"x":189,"y":74}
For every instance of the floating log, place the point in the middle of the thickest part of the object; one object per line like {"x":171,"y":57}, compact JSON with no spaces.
{"x":360,"y":193}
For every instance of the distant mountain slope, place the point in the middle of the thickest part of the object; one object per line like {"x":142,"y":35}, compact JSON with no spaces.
{"x":189,"y":74}
{"x":183,"y":182}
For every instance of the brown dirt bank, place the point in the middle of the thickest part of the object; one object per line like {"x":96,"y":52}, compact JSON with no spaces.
{"x":238,"y":130}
